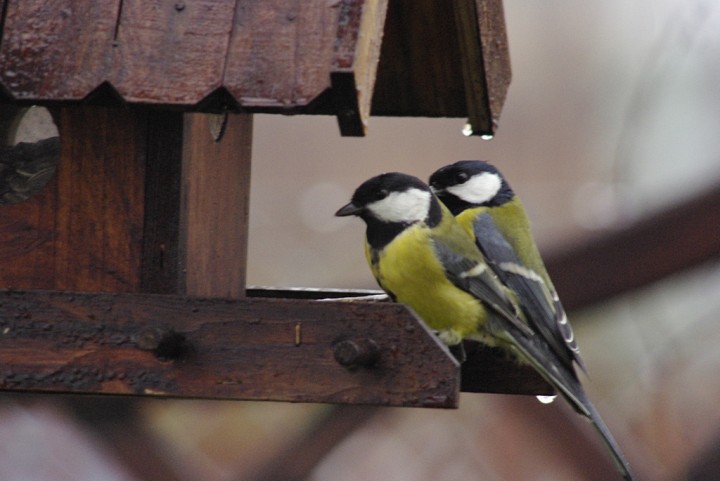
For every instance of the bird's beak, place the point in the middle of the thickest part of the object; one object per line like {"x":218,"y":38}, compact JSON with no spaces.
{"x":349,"y":209}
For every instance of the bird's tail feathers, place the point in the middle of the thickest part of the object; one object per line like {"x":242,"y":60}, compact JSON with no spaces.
{"x":567,"y":383}
{"x":609,"y":441}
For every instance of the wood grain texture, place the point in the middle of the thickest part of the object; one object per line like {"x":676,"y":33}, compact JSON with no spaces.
{"x":247,"y":349}
{"x":215,"y":203}
{"x":170,"y":52}
{"x":84,"y":229}
{"x":473,"y":67}
{"x":27,"y":243}
{"x":57,"y":50}
{"x":161,"y":263}
{"x":99,"y":223}
{"x":280,"y":52}
{"x":495,"y":54}
{"x":312,"y":57}
{"x":357,"y":53}
{"x":456,"y":65}
{"x":420,"y":71}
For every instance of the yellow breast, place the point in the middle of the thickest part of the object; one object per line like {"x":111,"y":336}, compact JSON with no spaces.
{"x":408,"y":268}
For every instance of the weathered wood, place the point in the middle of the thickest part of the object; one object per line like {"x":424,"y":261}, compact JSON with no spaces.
{"x":495,"y":59}
{"x":670,"y":241}
{"x":248,"y":349}
{"x":482,"y":43}
{"x":420,"y":72}
{"x":84,"y":229}
{"x":456,"y":65}
{"x":357,"y":53}
{"x":161,"y":264}
{"x":314,"y":57}
{"x":56,"y":50}
{"x":27,"y":243}
{"x":100,"y":181}
{"x":170,"y":52}
{"x":280,"y":52}
{"x":214,"y":217}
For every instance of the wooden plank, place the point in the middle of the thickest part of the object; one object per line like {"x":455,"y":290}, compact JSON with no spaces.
{"x":473,"y":67}
{"x":56,"y":50}
{"x":170,"y":52}
{"x":260,"y":56}
{"x":161,"y":263}
{"x":280,"y":52}
{"x":357,"y":53}
{"x":495,"y":56}
{"x":485,"y":60}
{"x":99,"y":219}
{"x":27,"y":243}
{"x":214,"y":217}
{"x":249,"y":349}
{"x":683,"y":236}
{"x":456,"y":65}
{"x":420,"y":72}
{"x":486,"y":369}
{"x":84,"y":229}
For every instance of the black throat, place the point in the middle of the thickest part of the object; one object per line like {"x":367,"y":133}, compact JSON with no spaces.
{"x":379,"y":233}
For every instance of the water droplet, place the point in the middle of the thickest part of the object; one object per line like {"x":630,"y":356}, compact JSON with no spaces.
{"x":467,"y":130}
{"x":546,"y":399}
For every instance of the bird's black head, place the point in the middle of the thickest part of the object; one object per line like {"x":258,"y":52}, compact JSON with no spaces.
{"x":470,"y":183}
{"x":390,"y":202}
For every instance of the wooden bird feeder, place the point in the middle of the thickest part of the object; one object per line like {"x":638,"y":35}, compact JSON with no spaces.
{"x":125,"y":274}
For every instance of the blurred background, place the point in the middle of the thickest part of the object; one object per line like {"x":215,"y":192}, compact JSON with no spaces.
{"x":611,"y":119}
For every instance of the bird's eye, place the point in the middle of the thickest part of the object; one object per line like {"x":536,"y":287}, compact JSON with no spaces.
{"x":381,"y":194}
{"x":461,"y":177}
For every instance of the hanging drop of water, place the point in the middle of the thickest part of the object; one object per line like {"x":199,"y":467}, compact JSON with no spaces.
{"x":467,"y":130}
{"x":546,"y":399}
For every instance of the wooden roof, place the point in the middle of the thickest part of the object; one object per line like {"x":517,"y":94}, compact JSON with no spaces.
{"x":436,"y":58}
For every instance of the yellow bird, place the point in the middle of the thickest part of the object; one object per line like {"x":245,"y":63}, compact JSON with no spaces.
{"x":422,"y":257}
{"x":495,"y":218}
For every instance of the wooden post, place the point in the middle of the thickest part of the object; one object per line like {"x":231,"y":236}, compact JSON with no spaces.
{"x":215,"y":203}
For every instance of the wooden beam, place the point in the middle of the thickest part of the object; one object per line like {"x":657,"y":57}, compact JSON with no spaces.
{"x":678,"y":238}
{"x":215,"y":205}
{"x":258,"y":349}
{"x":484,"y":56}
{"x":357,"y":53}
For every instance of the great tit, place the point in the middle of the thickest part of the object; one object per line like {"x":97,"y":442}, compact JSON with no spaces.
{"x":423,"y":258}
{"x":490,"y":212}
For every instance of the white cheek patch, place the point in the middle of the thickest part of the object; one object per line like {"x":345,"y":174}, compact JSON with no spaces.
{"x":478,"y":189}
{"x":411,"y":205}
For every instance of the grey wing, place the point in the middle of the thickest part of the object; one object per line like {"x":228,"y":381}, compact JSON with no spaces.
{"x":475,"y":277}
{"x":538,"y":301}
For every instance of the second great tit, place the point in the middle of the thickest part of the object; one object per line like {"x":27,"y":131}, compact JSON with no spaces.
{"x":485,"y":205}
